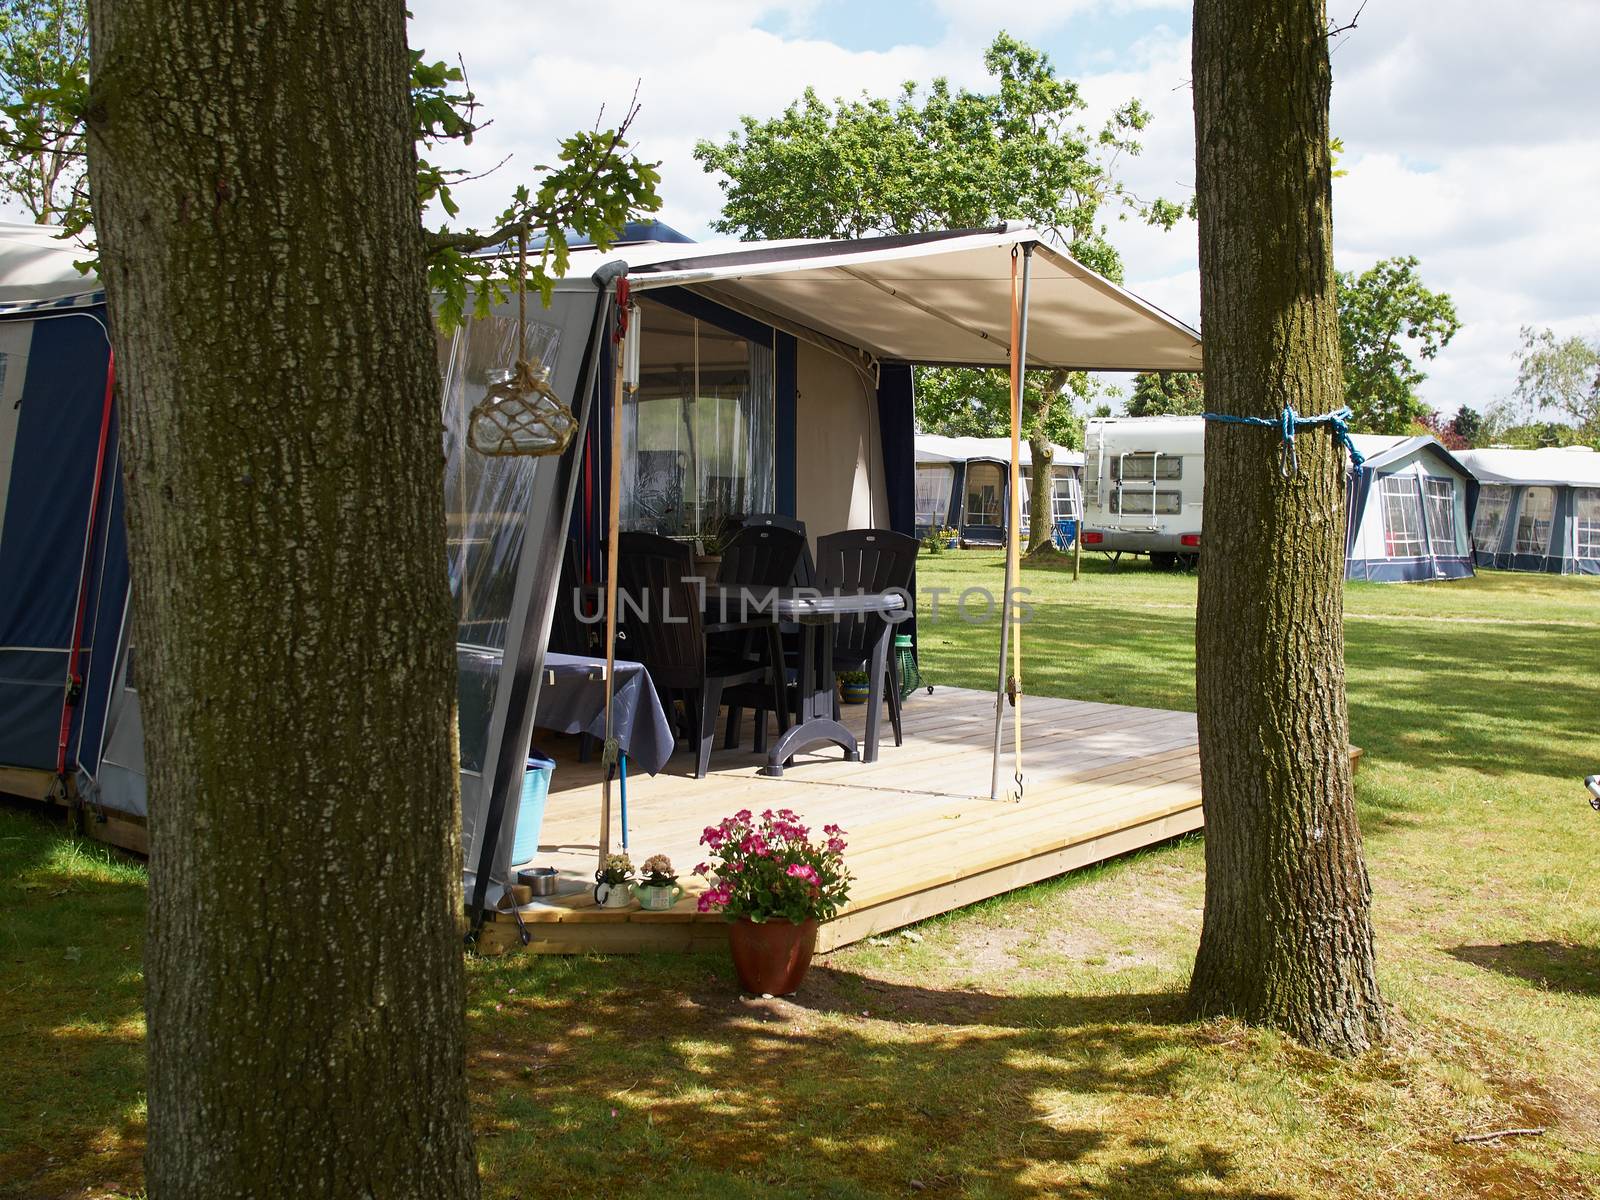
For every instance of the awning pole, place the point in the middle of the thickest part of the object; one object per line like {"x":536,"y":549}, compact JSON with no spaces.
{"x":613,"y":526}
{"x":1010,"y":643}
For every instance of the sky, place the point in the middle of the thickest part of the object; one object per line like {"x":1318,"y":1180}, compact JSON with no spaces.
{"x":1469,"y":125}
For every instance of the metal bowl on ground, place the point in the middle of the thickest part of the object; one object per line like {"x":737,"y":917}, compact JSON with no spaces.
{"x":540,"y":880}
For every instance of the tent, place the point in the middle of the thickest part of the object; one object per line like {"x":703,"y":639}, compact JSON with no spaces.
{"x":1406,"y":512}
{"x":62,"y":555}
{"x":774,"y":376}
{"x":963,"y":483}
{"x":1537,"y":510}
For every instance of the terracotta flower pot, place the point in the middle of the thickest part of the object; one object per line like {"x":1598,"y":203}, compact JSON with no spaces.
{"x":771,"y":957}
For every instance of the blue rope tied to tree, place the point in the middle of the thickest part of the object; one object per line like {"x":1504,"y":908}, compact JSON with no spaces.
{"x":1288,"y":423}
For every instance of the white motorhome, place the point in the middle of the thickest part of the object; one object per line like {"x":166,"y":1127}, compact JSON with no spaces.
{"x":1143,"y":487}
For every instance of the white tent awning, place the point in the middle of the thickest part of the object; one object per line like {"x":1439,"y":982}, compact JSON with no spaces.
{"x":36,"y":267}
{"x":1555,"y":466}
{"x":937,"y":298}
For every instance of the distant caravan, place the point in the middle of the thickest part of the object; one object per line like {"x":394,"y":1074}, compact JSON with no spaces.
{"x":1143,"y":487}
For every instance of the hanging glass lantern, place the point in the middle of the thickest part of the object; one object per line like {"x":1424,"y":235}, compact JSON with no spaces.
{"x":520,"y":414}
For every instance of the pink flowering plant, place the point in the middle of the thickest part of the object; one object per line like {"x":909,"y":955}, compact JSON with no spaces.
{"x":770,"y":868}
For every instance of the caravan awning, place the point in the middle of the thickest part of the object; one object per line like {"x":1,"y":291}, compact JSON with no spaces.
{"x":933,"y":298}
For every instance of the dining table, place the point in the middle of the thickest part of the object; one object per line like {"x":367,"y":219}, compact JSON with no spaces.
{"x":814,"y":612}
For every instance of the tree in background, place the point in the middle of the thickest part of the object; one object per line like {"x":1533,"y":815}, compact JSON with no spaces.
{"x":1443,"y":430}
{"x":1387,"y":320}
{"x":44,"y":68}
{"x":1560,"y":375}
{"x":258,"y":204}
{"x":1167,"y":394}
{"x":1467,"y":424}
{"x":1287,"y":933}
{"x":942,"y":158}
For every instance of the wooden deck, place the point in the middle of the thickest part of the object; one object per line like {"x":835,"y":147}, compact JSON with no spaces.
{"x":1100,"y":780}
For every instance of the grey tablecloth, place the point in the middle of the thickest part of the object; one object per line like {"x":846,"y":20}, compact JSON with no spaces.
{"x":572,"y":699}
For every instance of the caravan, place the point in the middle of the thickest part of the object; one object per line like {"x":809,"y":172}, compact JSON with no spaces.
{"x":1143,"y":487}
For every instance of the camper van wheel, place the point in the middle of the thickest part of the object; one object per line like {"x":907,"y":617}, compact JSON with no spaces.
{"x":1163,"y":560}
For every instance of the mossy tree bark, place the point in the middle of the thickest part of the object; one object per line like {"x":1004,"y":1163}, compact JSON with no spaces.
{"x":1287,"y":937}
{"x":255,"y":200}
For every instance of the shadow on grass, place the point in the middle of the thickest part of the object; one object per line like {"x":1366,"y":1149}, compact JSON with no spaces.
{"x":856,"y":1087}
{"x":71,"y":1014}
{"x":1554,"y":966}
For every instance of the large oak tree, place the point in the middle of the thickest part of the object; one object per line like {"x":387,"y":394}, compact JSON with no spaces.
{"x":257,"y":198}
{"x":1287,"y":935}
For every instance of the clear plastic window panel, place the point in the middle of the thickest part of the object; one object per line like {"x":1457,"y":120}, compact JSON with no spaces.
{"x":1066,"y":494}
{"x":1402,"y":516}
{"x":486,"y":501}
{"x":1147,"y":466}
{"x":1489,"y":521}
{"x":985,"y":486}
{"x":933,"y":495}
{"x":1441,"y":497}
{"x":698,"y":436}
{"x":1534,"y":516}
{"x":1138,"y":502}
{"x":1063,"y":495}
{"x":1586,"y":511}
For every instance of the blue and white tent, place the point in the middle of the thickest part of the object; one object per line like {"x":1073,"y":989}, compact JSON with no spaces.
{"x":63,"y":558}
{"x":1407,"y":508}
{"x":962,"y":483}
{"x":1537,"y":510}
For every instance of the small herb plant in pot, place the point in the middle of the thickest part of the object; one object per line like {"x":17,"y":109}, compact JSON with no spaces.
{"x":854,"y":687}
{"x":657,"y":889}
{"x":612,"y":882}
{"x":775,"y":884}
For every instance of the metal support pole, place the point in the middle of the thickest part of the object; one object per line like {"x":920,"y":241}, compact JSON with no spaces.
{"x":613,"y":528}
{"x":1019,"y":353}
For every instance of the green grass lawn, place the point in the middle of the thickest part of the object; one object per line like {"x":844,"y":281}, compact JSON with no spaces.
{"x":1036,"y":1045}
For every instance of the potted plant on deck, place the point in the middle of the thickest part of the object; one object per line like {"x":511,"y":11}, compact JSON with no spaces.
{"x":775,"y":884}
{"x":854,"y":687}
{"x":611,"y":882}
{"x":657,"y":889}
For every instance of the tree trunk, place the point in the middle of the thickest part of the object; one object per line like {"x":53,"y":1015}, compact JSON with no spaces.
{"x":254,"y":196}
{"x":1043,"y":456}
{"x":1041,"y":518}
{"x":1287,"y":937}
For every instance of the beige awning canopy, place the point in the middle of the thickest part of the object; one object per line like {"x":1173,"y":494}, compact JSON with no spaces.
{"x":936,"y":298}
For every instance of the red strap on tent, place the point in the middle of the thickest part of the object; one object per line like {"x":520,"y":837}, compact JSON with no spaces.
{"x":74,"y":682}
{"x":622,"y":311}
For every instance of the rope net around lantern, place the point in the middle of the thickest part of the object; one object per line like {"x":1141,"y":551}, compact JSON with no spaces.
{"x":521,"y":415}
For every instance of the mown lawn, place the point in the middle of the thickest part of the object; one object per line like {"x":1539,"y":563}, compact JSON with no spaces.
{"x":1036,"y":1045}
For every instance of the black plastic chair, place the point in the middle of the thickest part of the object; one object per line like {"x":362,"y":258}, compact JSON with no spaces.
{"x":660,"y":624}
{"x":568,"y":633}
{"x":805,"y":571}
{"x":759,"y":557}
{"x":868,"y":560}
